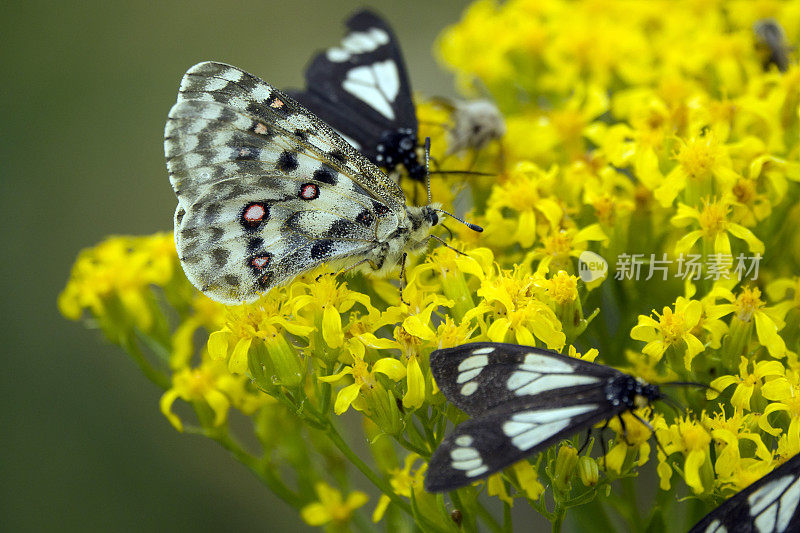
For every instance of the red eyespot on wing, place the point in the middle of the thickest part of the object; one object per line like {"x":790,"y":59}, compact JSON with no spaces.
{"x":254,"y":213}
{"x":309,"y":191}
{"x":260,"y":261}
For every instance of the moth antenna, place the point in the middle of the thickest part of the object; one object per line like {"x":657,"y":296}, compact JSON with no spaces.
{"x":675,"y":404}
{"x":428,"y":167}
{"x":468,"y":172}
{"x":470,"y":225}
{"x":689,"y":384}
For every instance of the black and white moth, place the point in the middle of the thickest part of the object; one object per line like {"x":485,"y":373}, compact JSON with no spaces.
{"x":522,"y":400}
{"x":770,"y":505}
{"x":361,"y":89}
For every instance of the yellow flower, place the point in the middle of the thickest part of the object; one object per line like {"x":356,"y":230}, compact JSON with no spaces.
{"x":515,"y":313}
{"x":714,"y":229}
{"x":691,"y":439}
{"x":634,"y":438}
{"x":701,"y":162}
{"x":558,"y":246}
{"x":784,"y":394}
{"x":197,"y":384}
{"x":403,"y":482}
{"x":672,"y":329}
{"x":261,"y":321}
{"x":746,"y":383}
{"x":331,"y":507}
{"x":749,"y":308}
{"x":363,"y":378}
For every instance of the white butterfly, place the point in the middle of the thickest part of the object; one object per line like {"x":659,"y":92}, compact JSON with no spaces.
{"x":266,"y":190}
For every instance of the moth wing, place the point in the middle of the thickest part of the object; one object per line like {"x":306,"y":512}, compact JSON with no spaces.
{"x":506,"y":434}
{"x":770,"y":505}
{"x":364,"y":77}
{"x":478,"y":377}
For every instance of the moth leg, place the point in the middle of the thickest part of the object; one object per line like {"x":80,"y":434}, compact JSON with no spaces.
{"x":586,"y":442}
{"x":603,"y":444}
{"x":436,"y":238}
{"x":624,"y":430}
{"x":649,"y":426}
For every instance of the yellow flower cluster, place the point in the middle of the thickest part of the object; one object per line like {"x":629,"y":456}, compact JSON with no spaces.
{"x":647,"y":133}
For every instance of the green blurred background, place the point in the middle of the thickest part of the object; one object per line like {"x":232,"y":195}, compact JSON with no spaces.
{"x":88,"y":86}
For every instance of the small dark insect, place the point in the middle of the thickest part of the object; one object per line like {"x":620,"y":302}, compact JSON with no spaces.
{"x":771,"y":43}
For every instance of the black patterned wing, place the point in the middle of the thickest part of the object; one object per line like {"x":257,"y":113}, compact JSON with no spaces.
{"x":770,"y":505}
{"x":523,"y":400}
{"x":479,"y":376}
{"x":265,"y":189}
{"x":361,"y":87}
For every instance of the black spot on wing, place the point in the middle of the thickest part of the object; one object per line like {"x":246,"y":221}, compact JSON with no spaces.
{"x":325,"y":174}
{"x":255,"y":244}
{"x":219,"y":257}
{"x":321,"y":249}
{"x":365,"y":218}
{"x":287,"y":162}
{"x":338,"y":156}
{"x":343,"y":229}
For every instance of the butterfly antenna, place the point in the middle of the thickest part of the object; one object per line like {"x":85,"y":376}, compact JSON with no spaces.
{"x":470,"y":225}
{"x":690,"y":384}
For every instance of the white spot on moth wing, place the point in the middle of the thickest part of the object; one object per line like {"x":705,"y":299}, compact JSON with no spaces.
{"x":463,"y":440}
{"x":716,"y":527}
{"x":477,"y":471}
{"x":464,"y":454}
{"x":549,"y":415}
{"x":379,"y":36}
{"x":526,"y":436}
{"x":547,"y":365}
{"x":475,"y":361}
{"x":765,"y":522}
{"x":789,"y":502}
{"x":388,"y":78}
{"x":231,"y":74}
{"x":467,"y":465}
{"x":546,"y":383}
{"x":468,"y":375}
{"x":768,"y":494}
{"x":781,"y":494}
{"x":360,"y":83}
{"x":469,"y":388}
{"x":337,"y":55}
{"x":483,"y":351}
{"x":359,"y":42}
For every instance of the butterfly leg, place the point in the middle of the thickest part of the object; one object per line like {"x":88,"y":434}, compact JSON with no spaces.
{"x":603,"y":443}
{"x":403,"y":282}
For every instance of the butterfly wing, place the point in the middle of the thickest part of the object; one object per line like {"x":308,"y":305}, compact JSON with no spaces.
{"x":265,"y":189}
{"x":361,"y":87}
{"x":770,"y":505}
{"x":478,"y":377}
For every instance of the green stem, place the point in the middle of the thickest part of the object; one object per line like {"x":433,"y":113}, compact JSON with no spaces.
{"x":558,"y":518}
{"x":467,"y":519}
{"x":487,"y":517}
{"x":144,"y":365}
{"x":260,"y":469}
{"x":508,"y":525}
{"x":376,"y":480}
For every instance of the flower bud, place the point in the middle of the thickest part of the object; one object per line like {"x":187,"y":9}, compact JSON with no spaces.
{"x":566,"y":461}
{"x":588,"y":471}
{"x":274,"y":363}
{"x":382,"y":408}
